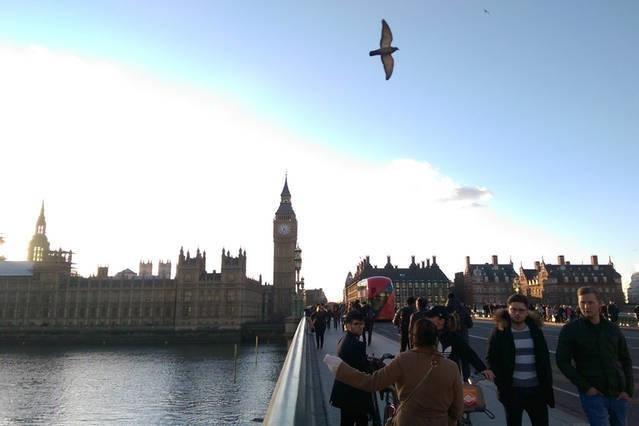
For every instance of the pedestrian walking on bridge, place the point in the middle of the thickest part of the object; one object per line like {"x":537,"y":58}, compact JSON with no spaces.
{"x":428,"y":385}
{"x":318,"y":319}
{"x":518,"y":357}
{"x":354,"y":404}
{"x":369,"y":321}
{"x":602,"y":369}
{"x":402,"y":320}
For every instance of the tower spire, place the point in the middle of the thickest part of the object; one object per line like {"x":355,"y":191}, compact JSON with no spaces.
{"x":39,"y":245}
{"x":41,"y":224}
{"x":286,"y":194}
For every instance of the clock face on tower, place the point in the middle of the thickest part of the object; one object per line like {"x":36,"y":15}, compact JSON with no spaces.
{"x":283,"y":229}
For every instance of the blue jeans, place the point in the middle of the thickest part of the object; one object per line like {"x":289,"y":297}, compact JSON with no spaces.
{"x":603,"y":411}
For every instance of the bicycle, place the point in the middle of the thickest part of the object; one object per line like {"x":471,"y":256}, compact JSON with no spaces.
{"x":474,"y":401}
{"x":388,"y":395}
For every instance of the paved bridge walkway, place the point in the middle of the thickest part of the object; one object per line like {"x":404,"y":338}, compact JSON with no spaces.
{"x":382,"y":344}
{"x":301,"y":395}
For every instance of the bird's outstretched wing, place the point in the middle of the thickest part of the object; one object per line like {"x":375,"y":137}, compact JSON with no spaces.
{"x":387,"y":35}
{"x":389,"y":63}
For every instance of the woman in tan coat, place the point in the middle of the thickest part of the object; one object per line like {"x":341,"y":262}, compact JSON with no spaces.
{"x":437,"y":401}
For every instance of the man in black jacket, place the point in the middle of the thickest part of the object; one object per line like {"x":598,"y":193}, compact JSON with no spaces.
{"x":354,"y":404}
{"x":602,"y":369}
{"x":518,"y":356}
{"x":369,"y":321}
{"x":319,"y":319}
{"x":402,"y":320}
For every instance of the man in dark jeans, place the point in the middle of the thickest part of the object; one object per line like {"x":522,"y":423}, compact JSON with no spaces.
{"x":518,"y":356}
{"x":402,"y":320}
{"x":602,"y":369}
{"x":354,"y":404}
{"x":318,"y":319}
{"x":369,"y":321}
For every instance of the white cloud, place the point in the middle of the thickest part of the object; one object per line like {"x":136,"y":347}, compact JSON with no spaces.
{"x":132,"y":168}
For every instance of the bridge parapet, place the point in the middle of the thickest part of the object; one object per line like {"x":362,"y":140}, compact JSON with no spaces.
{"x":298,"y":398}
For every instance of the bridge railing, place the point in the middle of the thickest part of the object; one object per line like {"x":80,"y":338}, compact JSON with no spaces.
{"x":297,"y":398}
{"x":284,"y":407}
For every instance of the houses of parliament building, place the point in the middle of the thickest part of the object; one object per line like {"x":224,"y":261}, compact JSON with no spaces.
{"x":45,"y":294}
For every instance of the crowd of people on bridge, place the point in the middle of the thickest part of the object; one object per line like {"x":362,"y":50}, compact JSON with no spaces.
{"x":434,"y":360}
{"x":555,"y":313}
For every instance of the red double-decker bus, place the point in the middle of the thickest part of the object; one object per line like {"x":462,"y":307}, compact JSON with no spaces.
{"x":378,"y":292}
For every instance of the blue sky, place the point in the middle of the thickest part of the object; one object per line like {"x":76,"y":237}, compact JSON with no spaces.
{"x":536,"y":101}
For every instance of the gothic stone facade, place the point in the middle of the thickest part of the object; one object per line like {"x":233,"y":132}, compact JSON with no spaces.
{"x":284,"y":244}
{"x":55,"y":298}
{"x":50,"y":296}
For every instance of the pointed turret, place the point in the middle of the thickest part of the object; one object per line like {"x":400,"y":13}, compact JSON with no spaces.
{"x":39,"y":245}
{"x":286,"y":194}
{"x":41,"y":224}
{"x":285,"y":209}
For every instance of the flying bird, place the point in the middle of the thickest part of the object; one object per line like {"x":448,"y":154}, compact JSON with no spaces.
{"x":486,"y":11}
{"x":385,"y":50}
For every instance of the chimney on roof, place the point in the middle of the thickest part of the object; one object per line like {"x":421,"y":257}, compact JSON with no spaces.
{"x":428,"y":263}
{"x":368,"y":260}
{"x":537,"y":265}
{"x":495,"y":260}
{"x":388,"y":259}
{"x":412,"y":260}
{"x":467,"y":261}
{"x":434,"y":260}
{"x":594,"y":260}
{"x":560,"y":260}
{"x":423,"y":264}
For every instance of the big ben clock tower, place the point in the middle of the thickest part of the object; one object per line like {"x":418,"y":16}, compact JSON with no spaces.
{"x":284,"y":242}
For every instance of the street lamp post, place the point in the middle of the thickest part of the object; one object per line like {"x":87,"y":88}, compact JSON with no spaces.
{"x":296,"y":305}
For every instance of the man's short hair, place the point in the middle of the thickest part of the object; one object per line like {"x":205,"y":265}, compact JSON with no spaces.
{"x":517,"y":298}
{"x":354,"y":316}
{"x":581,"y":291}
{"x":410,"y":300}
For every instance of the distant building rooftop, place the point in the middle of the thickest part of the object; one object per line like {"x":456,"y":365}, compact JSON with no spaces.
{"x":16,"y":269}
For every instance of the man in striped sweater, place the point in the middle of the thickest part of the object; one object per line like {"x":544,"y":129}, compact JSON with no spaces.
{"x":519,"y":358}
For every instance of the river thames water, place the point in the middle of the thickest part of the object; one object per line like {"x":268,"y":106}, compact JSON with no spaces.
{"x":141,"y":385}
